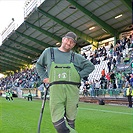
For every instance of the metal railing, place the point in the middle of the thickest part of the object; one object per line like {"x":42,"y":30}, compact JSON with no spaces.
{"x":117,"y":93}
{"x":30,"y":6}
{"x":7,"y":32}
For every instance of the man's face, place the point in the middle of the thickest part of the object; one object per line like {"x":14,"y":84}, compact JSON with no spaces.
{"x":67,"y":43}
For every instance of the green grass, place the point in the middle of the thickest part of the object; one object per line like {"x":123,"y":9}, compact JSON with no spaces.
{"x":21,"y":116}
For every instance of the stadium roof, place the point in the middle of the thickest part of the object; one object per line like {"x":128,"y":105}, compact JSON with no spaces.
{"x":46,"y":24}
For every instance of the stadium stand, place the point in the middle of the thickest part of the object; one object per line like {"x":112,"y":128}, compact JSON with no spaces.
{"x":29,"y":80}
{"x":23,"y":45}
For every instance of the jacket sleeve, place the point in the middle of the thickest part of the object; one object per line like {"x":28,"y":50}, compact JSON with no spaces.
{"x":41,"y":66}
{"x":84,"y":66}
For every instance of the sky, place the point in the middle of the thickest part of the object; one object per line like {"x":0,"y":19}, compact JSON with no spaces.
{"x":11,"y":9}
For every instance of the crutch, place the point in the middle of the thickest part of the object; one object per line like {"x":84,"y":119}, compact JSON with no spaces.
{"x":42,"y":108}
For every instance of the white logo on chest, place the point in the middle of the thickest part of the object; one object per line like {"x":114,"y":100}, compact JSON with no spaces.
{"x":62,"y":75}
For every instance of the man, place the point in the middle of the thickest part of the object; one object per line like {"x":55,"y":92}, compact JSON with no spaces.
{"x":109,"y":66}
{"x":7,"y":95}
{"x":103,"y":72}
{"x":112,"y":77}
{"x":10,"y":94}
{"x":97,"y":87}
{"x":29,"y":96}
{"x":129,"y":94}
{"x":63,"y":70}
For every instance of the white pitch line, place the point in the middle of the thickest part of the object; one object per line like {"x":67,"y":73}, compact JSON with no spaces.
{"x":107,"y":111}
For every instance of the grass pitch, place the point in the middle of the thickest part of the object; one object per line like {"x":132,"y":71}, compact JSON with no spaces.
{"x":21,"y":116}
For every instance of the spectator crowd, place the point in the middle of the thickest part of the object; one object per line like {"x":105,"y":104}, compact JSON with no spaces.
{"x":110,"y":78}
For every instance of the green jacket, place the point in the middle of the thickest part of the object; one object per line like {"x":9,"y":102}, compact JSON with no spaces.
{"x":82,"y":65}
{"x":7,"y":94}
{"x":10,"y":94}
{"x":29,"y":94}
